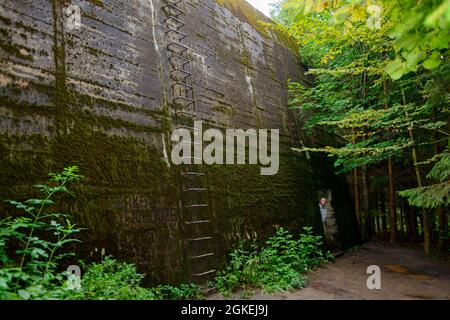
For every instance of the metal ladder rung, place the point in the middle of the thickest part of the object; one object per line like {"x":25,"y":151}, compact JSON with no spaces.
{"x":195,"y":222}
{"x":188,"y":74}
{"x":176,"y":20}
{"x":172,"y":6}
{"x":202,"y":256}
{"x":200,"y":239}
{"x":178,"y":63}
{"x":188,"y":113}
{"x":182,"y":84}
{"x":184,"y":35}
{"x":184,"y":98}
{"x":174,"y":55}
{"x":183,"y":108}
{"x":182,"y":46}
{"x":203,"y":205}
{"x":181,"y":70}
{"x":204,"y":273}
{"x":181,"y":64}
{"x":196,"y":189}
{"x":192,"y":173}
{"x":174,"y":2}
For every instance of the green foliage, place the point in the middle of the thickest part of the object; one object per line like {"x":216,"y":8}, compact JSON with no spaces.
{"x":113,"y":280}
{"x":416,"y":31}
{"x":434,"y":195}
{"x":419,"y":34}
{"x":30,"y":272}
{"x":183,"y":291}
{"x":277,"y":266}
{"x":353,"y":61}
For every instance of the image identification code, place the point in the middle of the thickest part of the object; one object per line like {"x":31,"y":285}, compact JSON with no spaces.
{"x":236,"y":309}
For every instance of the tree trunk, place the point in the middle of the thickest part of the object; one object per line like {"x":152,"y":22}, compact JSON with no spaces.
{"x":356,"y":190}
{"x":392,"y":201}
{"x":383,"y":213}
{"x":375,"y":204}
{"x":414,"y":227}
{"x":392,"y":195}
{"x":402,"y":234}
{"x":366,"y":203}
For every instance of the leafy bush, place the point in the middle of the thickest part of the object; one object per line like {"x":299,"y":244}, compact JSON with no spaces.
{"x":115,"y":280}
{"x":30,"y":271}
{"x":183,"y":291}
{"x":278,"y":266}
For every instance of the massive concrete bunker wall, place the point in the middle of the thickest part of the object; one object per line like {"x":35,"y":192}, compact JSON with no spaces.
{"x":99,"y":97}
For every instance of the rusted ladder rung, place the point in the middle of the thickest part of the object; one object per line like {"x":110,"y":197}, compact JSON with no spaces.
{"x":182,"y":84}
{"x":173,"y":2}
{"x":200,"y":239}
{"x":173,"y":6}
{"x":183,"y":35}
{"x":187,"y":113}
{"x":192,"y":173}
{"x":175,"y":68}
{"x":196,"y":189}
{"x":184,"y":98}
{"x":183,"y":109}
{"x":195,"y":222}
{"x":174,"y":55}
{"x":187,"y":73}
{"x":204,"y":273}
{"x":202,"y":256}
{"x":182,"y":70}
{"x":171,"y":14}
{"x":175,"y":43}
{"x":202,"y":205}
{"x":175,"y":19}
{"x":176,"y":64}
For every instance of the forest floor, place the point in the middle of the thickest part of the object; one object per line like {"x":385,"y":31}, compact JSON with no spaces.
{"x":406,"y":273}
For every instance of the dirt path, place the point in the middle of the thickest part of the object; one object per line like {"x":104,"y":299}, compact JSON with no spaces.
{"x":406,"y":273}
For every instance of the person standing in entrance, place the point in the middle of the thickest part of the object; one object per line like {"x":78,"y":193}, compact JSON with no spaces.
{"x":323,"y":211}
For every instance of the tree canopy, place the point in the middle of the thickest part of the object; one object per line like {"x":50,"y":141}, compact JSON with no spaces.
{"x":381,"y":84}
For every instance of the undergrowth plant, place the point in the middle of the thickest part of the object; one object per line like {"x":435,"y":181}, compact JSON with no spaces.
{"x":37,"y":236}
{"x":278,"y":266}
{"x":116,"y":280}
